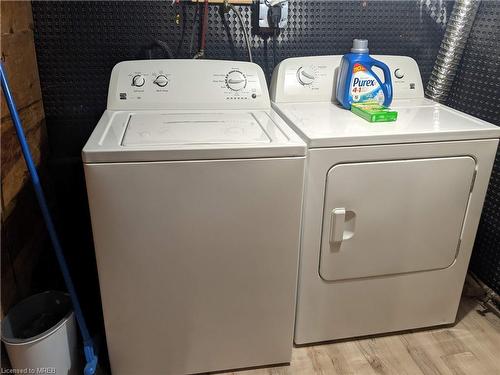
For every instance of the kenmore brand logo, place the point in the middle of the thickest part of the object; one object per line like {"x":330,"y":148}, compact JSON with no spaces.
{"x":363,"y":82}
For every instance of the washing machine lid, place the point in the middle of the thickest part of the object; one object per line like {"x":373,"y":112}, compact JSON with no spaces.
{"x":145,"y":129}
{"x":122,"y":136}
{"x":325,"y":124}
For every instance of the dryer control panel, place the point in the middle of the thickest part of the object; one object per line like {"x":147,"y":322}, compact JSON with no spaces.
{"x":187,"y":84}
{"x":314,"y":78}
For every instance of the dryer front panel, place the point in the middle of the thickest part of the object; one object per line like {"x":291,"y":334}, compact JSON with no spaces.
{"x":408,"y":212}
{"x":393,"y":217}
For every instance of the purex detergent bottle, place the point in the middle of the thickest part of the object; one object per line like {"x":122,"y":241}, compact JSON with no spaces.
{"x":357,"y":83}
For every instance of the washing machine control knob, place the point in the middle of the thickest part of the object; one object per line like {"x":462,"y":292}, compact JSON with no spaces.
{"x":398,"y":73}
{"x":305,"y":76}
{"x":236,"y":80}
{"x":161,"y":80}
{"x":138,"y":81}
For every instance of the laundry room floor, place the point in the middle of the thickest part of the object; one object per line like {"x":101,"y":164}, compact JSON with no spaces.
{"x":471,"y":347}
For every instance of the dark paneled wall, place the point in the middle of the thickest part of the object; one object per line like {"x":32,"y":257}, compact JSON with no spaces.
{"x":78,"y":43}
{"x":476,"y":90}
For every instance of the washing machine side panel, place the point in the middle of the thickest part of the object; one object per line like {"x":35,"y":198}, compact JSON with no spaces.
{"x":329,"y":310}
{"x":197,"y":262}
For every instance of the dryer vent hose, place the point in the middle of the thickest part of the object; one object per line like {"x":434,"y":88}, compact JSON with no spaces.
{"x":451,"y":49}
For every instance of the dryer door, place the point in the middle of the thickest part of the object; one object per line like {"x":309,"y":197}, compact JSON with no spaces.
{"x":393,"y":217}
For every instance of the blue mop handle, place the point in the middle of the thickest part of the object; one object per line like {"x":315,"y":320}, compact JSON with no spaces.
{"x":87,"y":340}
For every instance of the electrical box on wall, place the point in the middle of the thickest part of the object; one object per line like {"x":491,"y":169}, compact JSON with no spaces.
{"x":270,"y":15}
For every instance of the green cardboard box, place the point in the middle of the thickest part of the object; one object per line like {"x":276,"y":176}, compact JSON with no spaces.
{"x":374,"y":112}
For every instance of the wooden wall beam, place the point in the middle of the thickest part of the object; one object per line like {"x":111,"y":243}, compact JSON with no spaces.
{"x":23,"y":231}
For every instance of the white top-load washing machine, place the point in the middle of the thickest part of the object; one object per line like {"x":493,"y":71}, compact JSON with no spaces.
{"x":390,"y":209}
{"x":195,"y":191}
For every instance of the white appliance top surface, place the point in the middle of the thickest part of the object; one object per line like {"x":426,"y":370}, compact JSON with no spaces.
{"x":169,"y":110}
{"x":163,"y":135}
{"x":326,"y":124}
{"x":193,"y":128}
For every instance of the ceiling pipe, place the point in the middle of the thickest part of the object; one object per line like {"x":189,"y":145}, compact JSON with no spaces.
{"x":451,"y":49}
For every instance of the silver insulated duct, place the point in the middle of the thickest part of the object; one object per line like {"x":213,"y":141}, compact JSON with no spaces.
{"x":451,"y":49}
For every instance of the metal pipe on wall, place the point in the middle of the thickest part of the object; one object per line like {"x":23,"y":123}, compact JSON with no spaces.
{"x":451,"y":49}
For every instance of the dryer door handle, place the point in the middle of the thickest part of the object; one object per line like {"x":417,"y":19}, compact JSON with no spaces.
{"x":342,"y":225}
{"x":337,"y":222}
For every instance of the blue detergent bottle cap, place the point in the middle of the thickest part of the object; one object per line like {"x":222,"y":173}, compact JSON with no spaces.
{"x":359,"y":46}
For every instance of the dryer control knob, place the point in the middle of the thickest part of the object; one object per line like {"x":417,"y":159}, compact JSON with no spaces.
{"x":398,"y":73}
{"x":138,"y":81}
{"x":161,"y":81}
{"x":305,"y":76}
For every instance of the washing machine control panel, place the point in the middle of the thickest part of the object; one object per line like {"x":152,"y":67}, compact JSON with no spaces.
{"x":187,"y":84}
{"x":236,"y":80}
{"x":314,"y":78}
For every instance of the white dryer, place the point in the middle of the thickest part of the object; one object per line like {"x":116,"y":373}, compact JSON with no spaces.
{"x":195,"y":189}
{"x":390,"y":209}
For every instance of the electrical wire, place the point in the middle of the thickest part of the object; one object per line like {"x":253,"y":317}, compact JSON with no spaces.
{"x":266,"y":58}
{"x":164,"y":47}
{"x":223,"y":10}
{"x":275,"y":17}
{"x":245,"y":33}
{"x":191,"y":43}
{"x":275,"y":37}
{"x":183,"y":31}
{"x":201,"y":52}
